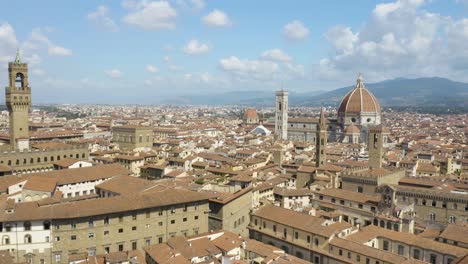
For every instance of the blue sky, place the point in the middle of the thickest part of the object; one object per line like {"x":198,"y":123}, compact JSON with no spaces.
{"x":136,"y":51}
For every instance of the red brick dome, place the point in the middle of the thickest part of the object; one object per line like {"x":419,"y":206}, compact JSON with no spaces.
{"x":359,"y":100}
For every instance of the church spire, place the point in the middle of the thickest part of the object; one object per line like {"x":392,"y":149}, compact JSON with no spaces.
{"x":18,"y":57}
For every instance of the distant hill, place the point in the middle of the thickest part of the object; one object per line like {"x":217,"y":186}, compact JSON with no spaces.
{"x":404,"y":92}
{"x":254,"y":98}
{"x":397,"y":92}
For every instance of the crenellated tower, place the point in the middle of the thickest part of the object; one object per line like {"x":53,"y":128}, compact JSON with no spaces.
{"x":18,"y":102}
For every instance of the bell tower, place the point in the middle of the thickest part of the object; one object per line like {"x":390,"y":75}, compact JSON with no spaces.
{"x":18,"y":101}
{"x":321,"y":141}
{"x":281,"y":117}
{"x":375,"y":146}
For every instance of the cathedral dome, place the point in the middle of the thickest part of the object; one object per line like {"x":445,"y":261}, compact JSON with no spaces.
{"x":250,"y":113}
{"x":359,"y":100}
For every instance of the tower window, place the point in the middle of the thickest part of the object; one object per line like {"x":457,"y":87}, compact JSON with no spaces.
{"x":19,"y":81}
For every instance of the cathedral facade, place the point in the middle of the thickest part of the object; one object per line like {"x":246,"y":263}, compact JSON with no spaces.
{"x":358,"y":111}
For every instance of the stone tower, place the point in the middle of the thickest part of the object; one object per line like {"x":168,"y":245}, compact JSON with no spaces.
{"x":281,"y":120}
{"x":321,"y":140}
{"x":375,"y":146}
{"x":18,"y":101}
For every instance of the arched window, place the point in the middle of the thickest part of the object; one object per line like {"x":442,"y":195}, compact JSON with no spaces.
{"x":432,"y":217}
{"x":382,"y":223}
{"x":27,"y":239}
{"x":316,"y":242}
{"x":389,"y":225}
{"x":452,"y":219}
{"x":359,"y":189}
{"x":31,"y":160}
{"x":5,"y":240}
{"x":376,"y":222}
{"x":19,"y":80}
{"x":27,"y":226}
{"x":395,"y":227}
{"x":46,"y":225}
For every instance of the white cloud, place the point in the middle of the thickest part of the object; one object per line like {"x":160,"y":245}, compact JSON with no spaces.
{"x":295,"y":30}
{"x":188,"y":76}
{"x":256,"y":69}
{"x":101,"y":19}
{"x":400,"y":39}
{"x":275,"y":55}
{"x":173,"y":67}
{"x":38,"y":72}
{"x":151,"y":15}
{"x":217,"y":18}
{"x":167,"y":59}
{"x":38,"y":38}
{"x":58,"y":51}
{"x":114,"y":73}
{"x":151,"y":68}
{"x":194,"y":47}
{"x":206,"y":77}
{"x":8,"y":43}
{"x":342,"y":38}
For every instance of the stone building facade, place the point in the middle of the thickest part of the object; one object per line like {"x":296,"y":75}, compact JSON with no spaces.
{"x":49,"y":232}
{"x":133,"y":137}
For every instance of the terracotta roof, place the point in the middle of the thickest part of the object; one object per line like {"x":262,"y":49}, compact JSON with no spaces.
{"x":352,"y":129}
{"x":456,"y":233}
{"x":370,"y":232}
{"x":359,"y":100}
{"x":42,"y":184}
{"x":250,"y":113}
{"x":301,"y":221}
{"x":68,"y":176}
{"x":85,"y":208}
{"x":350,"y":195}
{"x":67,"y":162}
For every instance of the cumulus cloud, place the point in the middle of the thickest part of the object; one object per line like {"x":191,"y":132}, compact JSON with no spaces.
{"x":400,"y":39}
{"x":114,"y":73}
{"x":151,"y":15}
{"x":102,"y":20}
{"x":38,"y":38}
{"x":217,"y":18}
{"x":244,"y":68}
{"x":296,"y":30}
{"x":194,"y":47}
{"x":151,"y":68}
{"x":58,"y":51}
{"x":8,"y":43}
{"x":275,"y":55}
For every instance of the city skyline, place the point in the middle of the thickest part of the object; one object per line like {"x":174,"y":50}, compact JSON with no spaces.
{"x":130,"y":48}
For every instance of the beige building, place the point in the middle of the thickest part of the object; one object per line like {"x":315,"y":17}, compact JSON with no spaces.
{"x":231,"y":211}
{"x":133,"y":137}
{"x":50,"y":230}
{"x":21,"y":158}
